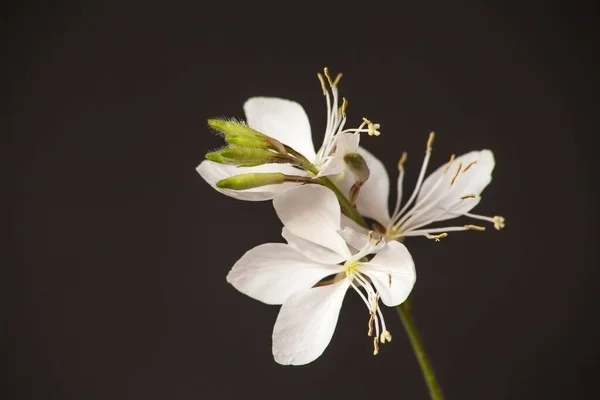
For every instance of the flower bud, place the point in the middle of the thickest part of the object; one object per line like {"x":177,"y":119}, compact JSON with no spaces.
{"x":239,"y":134}
{"x":249,"y":181}
{"x":245,"y":156}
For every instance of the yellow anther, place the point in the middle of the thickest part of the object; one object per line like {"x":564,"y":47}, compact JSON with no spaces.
{"x":375,"y":346}
{"x":430,"y":142}
{"x":402,"y":161}
{"x":322,"y":84}
{"x":337,"y":79}
{"x":326,"y":71}
{"x":498,"y":222}
{"x":468,"y":196}
{"x":449,"y":163}
{"x":371,"y":319}
{"x":386,"y":336}
{"x":456,"y":174}
{"x":471,"y":163}
{"x":343,"y":107}
{"x":475,"y":228}
{"x":438,"y":237}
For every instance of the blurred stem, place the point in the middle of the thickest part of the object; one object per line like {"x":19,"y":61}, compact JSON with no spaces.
{"x":435,"y":391}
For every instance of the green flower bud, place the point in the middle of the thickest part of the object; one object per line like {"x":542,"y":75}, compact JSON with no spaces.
{"x":249,"y":181}
{"x":239,"y":134}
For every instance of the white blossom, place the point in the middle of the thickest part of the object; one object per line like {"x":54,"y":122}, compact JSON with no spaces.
{"x":309,"y":276}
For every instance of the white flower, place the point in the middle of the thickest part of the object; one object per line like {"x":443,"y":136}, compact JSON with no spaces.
{"x":286,"y":121}
{"x":294,"y":275}
{"x":449,"y":192}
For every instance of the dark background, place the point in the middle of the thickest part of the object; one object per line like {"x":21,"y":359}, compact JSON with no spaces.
{"x":114,"y":283}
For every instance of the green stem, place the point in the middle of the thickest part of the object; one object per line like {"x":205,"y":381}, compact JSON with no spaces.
{"x":347,"y":208}
{"x":435,"y":391}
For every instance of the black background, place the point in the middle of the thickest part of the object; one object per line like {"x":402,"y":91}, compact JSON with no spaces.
{"x":118,"y":251}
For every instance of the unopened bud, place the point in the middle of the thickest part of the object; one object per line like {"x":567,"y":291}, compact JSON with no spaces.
{"x":245,"y":156}
{"x":358,"y":166}
{"x":240,"y":134}
{"x":249,"y":181}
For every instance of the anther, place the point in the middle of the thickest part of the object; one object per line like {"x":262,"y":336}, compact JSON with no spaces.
{"x":456,"y":174}
{"x":326,"y":71}
{"x":468,"y":196}
{"x":469,"y":165}
{"x":449,"y":163}
{"x":375,"y":346}
{"x":389,"y":280}
{"x":438,"y":237}
{"x":322,"y":84}
{"x":371,"y":319}
{"x":343,"y":107}
{"x":430,"y":142}
{"x":337,"y":79}
{"x":402,"y":161}
{"x":475,"y":228}
{"x":498,"y":222}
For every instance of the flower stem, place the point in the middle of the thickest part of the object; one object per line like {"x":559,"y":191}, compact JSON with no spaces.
{"x":347,"y":208}
{"x":435,"y":391}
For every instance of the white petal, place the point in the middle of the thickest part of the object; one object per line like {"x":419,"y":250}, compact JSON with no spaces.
{"x":350,"y":223}
{"x":311,"y":250}
{"x":274,"y":271}
{"x":372,"y":199}
{"x":312,"y":212}
{"x":284,"y":120}
{"x":346,"y":143}
{"x":392,"y":271}
{"x":213,"y":172}
{"x":306,"y":323}
{"x":472,"y":181}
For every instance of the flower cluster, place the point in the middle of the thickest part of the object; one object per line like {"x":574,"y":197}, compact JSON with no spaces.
{"x":324,"y":199}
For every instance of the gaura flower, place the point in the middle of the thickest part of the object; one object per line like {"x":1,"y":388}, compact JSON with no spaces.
{"x":286,"y":121}
{"x":453,"y":190}
{"x":309,"y":276}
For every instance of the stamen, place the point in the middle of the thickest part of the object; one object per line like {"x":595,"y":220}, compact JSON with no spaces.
{"x":371,"y":319}
{"x":497,"y":220}
{"x":419,"y":180}
{"x":343,"y":107}
{"x":337,"y":79}
{"x":430,"y":141}
{"x":456,"y":174}
{"x":375,"y":346}
{"x":469,"y":165}
{"x":402,"y":160}
{"x":437,"y":237}
{"x":326,"y":71}
{"x":449,"y":163}
{"x":475,"y":228}
{"x":322,"y":83}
